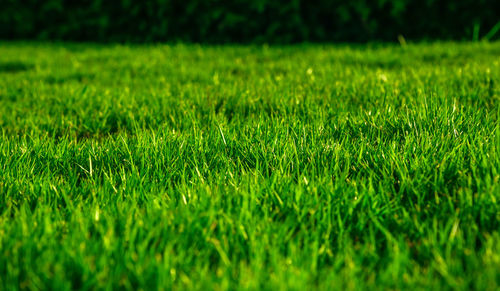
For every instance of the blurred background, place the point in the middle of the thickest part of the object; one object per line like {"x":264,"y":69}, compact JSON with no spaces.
{"x":249,"y":21}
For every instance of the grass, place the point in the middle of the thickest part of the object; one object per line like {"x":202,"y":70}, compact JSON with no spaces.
{"x":249,"y":167}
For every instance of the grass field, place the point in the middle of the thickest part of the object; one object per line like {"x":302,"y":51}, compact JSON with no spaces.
{"x":249,"y":167}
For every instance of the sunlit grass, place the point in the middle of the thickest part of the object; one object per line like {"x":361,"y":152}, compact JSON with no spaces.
{"x":238,"y":167}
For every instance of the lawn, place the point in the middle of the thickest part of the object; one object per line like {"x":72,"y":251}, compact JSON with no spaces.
{"x":249,"y":167}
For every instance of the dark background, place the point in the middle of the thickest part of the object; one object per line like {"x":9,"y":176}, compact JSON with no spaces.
{"x":244,"y":21}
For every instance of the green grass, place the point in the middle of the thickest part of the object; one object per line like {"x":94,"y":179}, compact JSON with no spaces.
{"x":238,"y":167}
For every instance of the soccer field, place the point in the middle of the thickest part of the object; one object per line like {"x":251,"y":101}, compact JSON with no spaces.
{"x":249,"y":167}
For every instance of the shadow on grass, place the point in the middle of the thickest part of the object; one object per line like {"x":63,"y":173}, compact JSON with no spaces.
{"x":15,"y":67}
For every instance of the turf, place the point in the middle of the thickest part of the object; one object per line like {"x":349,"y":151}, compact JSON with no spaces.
{"x":249,"y":167}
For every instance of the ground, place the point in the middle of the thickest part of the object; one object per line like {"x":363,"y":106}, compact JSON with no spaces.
{"x":249,"y":167}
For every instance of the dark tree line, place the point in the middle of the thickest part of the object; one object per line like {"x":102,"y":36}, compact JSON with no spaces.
{"x":220,"y":21}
